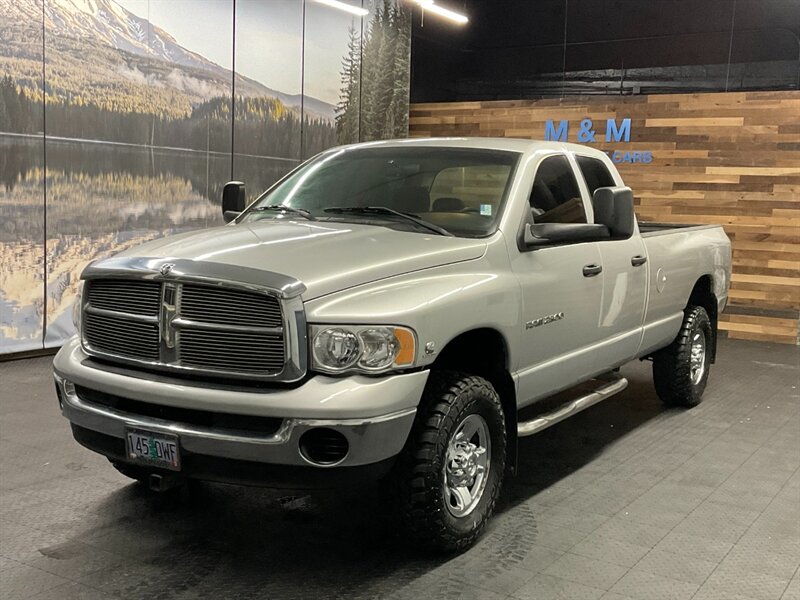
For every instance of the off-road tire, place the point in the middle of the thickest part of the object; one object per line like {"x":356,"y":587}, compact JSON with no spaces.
{"x":672,"y":374}
{"x":418,"y":480}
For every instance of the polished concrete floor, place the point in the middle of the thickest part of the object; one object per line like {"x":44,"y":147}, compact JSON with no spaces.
{"x":626,"y":500}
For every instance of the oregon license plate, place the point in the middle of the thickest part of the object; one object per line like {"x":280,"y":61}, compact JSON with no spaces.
{"x":153,"y":449}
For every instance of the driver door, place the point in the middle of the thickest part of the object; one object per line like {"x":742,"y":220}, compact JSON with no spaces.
{"x":561,"y":289}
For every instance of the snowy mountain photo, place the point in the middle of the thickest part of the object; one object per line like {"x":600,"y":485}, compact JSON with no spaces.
{"x":128,"y":54}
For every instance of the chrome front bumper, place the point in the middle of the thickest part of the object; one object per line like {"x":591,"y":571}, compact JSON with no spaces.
{"x":387,"y":407}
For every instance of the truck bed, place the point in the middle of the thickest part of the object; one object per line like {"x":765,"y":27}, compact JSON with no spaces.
{"x":678,"y":256}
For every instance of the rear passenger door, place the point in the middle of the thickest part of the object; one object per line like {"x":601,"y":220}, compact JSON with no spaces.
{"x":561,"y":298}
{"x":624,"y":281}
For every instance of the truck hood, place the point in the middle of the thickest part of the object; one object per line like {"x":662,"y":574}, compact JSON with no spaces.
{"x":325,"y":256}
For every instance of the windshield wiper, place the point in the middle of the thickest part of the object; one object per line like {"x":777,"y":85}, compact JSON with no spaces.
{"x":384,"y":211}
{"x":288,"y":209}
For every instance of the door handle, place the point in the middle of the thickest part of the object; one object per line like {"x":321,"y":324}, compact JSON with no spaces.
{"x":592,"y":270}
{"x":638,"y":260}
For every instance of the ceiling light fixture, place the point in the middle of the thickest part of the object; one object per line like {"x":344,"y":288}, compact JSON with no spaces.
{"x":353,"y":10}
{"x":443,"y":12}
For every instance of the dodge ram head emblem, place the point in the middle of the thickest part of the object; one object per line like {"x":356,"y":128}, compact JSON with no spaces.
{"x":166,"y":268}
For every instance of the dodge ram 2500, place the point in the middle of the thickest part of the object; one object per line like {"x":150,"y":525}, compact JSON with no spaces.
{"x":388,"y":310}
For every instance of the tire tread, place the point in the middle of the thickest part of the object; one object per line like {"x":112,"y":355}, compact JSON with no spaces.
{"x":672,"y":365}
{"x":416,"y":467}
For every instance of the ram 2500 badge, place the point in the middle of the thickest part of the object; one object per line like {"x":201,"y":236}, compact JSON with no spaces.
{"x":386,"y":311}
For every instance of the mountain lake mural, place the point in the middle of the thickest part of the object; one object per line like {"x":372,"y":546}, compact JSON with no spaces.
{"x":120,"y":121}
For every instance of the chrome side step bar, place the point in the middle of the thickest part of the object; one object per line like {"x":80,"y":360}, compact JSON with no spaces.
{"x":546,"y":420}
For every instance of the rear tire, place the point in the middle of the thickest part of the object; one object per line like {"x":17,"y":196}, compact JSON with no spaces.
{"x":448,"y":476}
{"x":680,"y":371}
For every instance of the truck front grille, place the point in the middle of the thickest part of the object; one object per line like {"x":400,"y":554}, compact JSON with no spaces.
{"x":234,"y":351}
{"x":138,"y":297}
{"x":123,"y":337}
{"x":229,"y":307}
{"x":185,"y":326}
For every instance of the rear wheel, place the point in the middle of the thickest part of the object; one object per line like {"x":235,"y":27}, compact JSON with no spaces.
{"x":448,"y":477}
{"x":680,"y":371}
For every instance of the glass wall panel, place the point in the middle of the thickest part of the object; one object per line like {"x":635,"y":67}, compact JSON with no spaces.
{"x":269,"y":42}
{"x":138,"y":124}
{"x":331,"y":77}
{"x":385,"y":70}
{"x":21,"y":177}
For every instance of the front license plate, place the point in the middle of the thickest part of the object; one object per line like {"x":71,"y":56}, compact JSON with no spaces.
{"x":153,"y":449}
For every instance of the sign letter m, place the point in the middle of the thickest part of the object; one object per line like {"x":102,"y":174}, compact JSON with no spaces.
{"x":556,"y":135}
{"x":623,"y":133}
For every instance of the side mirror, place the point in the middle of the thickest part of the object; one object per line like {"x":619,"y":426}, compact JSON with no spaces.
{"x":613,"y":207}
{"x":542,"y":234}
{"x":233,"y":200}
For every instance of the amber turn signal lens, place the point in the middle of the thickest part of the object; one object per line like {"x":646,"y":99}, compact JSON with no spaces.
{"x":405,"y":355}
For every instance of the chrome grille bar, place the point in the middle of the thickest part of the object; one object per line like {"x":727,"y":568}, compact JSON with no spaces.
{"x":182,"y":323}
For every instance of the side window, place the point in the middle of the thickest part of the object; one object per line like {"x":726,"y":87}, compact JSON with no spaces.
{"x":555,"y":197}
{"x":595,"y":173}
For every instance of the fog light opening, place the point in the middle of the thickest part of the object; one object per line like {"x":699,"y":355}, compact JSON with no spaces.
{"x":69,"y":387}
{"x":323,"y":446}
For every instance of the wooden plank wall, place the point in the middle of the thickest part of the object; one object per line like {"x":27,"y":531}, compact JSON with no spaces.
{"x":729,"y":158}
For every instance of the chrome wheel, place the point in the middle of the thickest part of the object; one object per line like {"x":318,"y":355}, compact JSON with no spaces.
{"x":467,"y":463}
{"x":697,"y":361}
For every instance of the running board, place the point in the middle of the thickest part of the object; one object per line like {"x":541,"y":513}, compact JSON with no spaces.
{"x":546,"y":420}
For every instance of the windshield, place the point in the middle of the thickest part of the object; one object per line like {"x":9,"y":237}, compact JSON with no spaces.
{"x":457,"y":190}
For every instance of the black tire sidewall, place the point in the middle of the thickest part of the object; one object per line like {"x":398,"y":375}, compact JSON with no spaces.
{"x":418,"y":478}
{"x":700,"y":324}
{"x":672,"y":365}
{"x":473,"y":403}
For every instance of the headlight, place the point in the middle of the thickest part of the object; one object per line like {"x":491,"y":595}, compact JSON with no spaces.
{"x":336,"y":349}
{"x":366,"y":348}
{"x":76,"y":308}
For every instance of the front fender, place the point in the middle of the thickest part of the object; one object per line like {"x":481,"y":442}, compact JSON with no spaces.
{"x":439,"y":304}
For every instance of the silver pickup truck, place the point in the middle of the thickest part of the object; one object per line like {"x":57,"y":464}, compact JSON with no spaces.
{"x":387,"y":310}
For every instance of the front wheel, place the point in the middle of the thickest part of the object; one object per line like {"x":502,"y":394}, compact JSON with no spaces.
{"x":450,"y":472}
{"x":680,"y":371}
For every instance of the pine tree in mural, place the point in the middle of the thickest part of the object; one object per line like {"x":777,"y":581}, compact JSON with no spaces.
{"x":371,"y":74}
{"x":375,"y":77}
{"x":18,"y":113}
{"x":350,"y":95}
